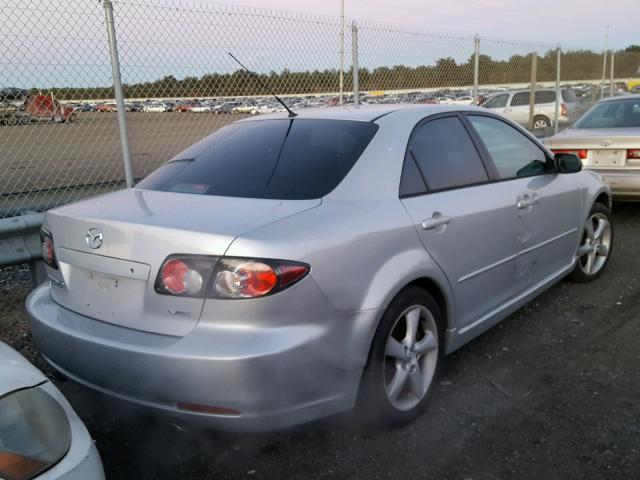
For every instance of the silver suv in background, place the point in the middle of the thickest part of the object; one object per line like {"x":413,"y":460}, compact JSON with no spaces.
{"x":515,"y":106}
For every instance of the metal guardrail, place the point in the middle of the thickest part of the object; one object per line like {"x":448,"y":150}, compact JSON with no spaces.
{"x":20,"y":243}
{"x":20,"y":239}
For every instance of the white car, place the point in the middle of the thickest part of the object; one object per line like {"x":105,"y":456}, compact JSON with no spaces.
{"x":466,"y":100}
{"x":41,"y":437}
{"x":515,"y":106}
{"x":155,"y":108}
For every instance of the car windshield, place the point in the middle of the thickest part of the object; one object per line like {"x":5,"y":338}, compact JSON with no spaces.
{"x":287,"y":159}
{"x":612,"y":114}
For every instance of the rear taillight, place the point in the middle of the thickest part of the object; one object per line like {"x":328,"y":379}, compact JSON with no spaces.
{"x":563,"y":110}
{"x":230,"y":278}
{"x":581,"y":154}
{"x":633,"y":154}
{"x":179,"y":279}
{"x":48,"y":250}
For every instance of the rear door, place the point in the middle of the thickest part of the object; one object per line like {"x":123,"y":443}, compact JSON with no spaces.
{"x":548,"y":204}
{"x":466,"y":223}
{"x":519,"y":108}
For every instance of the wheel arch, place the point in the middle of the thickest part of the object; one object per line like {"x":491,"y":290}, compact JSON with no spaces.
{"x":434,"y":287}
{"x":604,"y":198}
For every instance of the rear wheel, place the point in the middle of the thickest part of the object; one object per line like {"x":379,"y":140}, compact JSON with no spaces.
{"x":541,"y":122}
{"x":595,"y":246}
{"x":404,"y":360}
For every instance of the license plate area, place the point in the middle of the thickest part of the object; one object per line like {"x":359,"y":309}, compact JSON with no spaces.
{"x":607,"y":158}
{"x":107,"y":289}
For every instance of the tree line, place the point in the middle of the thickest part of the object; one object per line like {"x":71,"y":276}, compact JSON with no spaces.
{"x":446,"y":72}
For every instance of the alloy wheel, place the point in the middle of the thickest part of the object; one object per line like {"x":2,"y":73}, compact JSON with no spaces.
{"x":411,"y":357}
{"x":596,"y":244}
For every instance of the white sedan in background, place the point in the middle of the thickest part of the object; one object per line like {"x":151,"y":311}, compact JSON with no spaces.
{"x":155,"y":108}
{"x":41,"y":437}
{"x":607,"y":140}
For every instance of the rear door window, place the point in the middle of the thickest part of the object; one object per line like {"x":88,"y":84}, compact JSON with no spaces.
{"x":513,"y":154}
{"x":288,"y":159}
{"x":545,"y":96}
{"x":520,"y":99}
{"x":444,"y":155}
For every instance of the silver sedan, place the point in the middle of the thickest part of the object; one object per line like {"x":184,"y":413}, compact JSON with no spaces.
{"x":41,"y":437}
{"x":607,"y":140}
{"x":287,"y":268}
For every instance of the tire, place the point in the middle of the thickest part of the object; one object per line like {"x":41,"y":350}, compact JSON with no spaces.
{"x":72,"y":118}
{"x":541,"y":122}
{"x":395,"y":371}
{"x":595,"y":247}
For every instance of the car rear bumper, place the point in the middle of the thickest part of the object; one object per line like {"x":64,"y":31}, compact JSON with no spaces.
{"x":624,"y":184}
{"x":274,"y":377}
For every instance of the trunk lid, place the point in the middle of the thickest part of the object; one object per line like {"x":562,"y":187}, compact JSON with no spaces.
{"x":115,"y":282}
{"x":607,"y":147}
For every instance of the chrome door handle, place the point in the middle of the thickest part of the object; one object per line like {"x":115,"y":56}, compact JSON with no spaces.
{"x":435,"y":222}
{"x":527,"y":201}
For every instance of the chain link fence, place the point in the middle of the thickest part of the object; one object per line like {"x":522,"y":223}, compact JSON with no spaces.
{"x":58,"y":110}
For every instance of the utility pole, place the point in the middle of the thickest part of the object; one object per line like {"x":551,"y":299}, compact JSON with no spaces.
{"x":341,"y":52}
{"x":604,"y":62}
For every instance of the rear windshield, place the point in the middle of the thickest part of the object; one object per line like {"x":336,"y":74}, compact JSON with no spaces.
{"x":569,"y":95}
{"x":613,"y":114}
{"x":288,"y":159}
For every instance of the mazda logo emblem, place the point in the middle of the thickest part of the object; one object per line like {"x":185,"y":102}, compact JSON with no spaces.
{"x":94,"y":238}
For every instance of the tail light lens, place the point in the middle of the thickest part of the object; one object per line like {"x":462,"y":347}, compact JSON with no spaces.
{"x":633,"y":154}
{"x":48,"y":250}
{"x":581,"y":154}
{"x":230,"y":278}
{"x":563,"y":110}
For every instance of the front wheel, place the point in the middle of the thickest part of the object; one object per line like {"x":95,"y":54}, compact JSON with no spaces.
{"x":404,"y":360}
{"x":595,"y":247}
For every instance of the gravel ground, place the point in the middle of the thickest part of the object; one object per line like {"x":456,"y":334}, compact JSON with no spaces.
{"x":550,"y":393}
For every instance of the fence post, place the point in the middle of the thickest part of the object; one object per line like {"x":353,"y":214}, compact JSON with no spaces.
{"x":354,"y":54}
{"x":611,"y":89}
{"x":558,"y":92}
{"x":341,"y":98}
{"x":117,"y":87}
{"x":476,"y":68}
{"x":532,"y":92}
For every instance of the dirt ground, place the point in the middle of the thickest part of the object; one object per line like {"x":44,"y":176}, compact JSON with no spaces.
{"x":551,"y":393}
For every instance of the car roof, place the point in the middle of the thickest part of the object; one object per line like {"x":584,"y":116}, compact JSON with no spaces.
{"x":363,"y":113}
{"x":620,"y":98}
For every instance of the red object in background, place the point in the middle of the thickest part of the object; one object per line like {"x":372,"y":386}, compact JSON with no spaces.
{"x":46,"y":106}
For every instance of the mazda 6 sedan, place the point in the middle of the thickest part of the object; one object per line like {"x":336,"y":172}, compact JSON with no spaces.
{"x":287,"y":268}
{"x":607,"y":140}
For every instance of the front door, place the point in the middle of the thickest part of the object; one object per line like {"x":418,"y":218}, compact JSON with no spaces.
{"x":548,"y":203}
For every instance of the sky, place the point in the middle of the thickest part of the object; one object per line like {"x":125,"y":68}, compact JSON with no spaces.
{"x":48,"y":43}
{"x":574,"y":23}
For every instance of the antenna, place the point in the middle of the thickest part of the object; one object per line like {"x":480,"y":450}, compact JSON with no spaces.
{"x":264,"y":87}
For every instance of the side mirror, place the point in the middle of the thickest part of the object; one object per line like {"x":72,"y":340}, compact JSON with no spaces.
{"x":567,"y":163}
